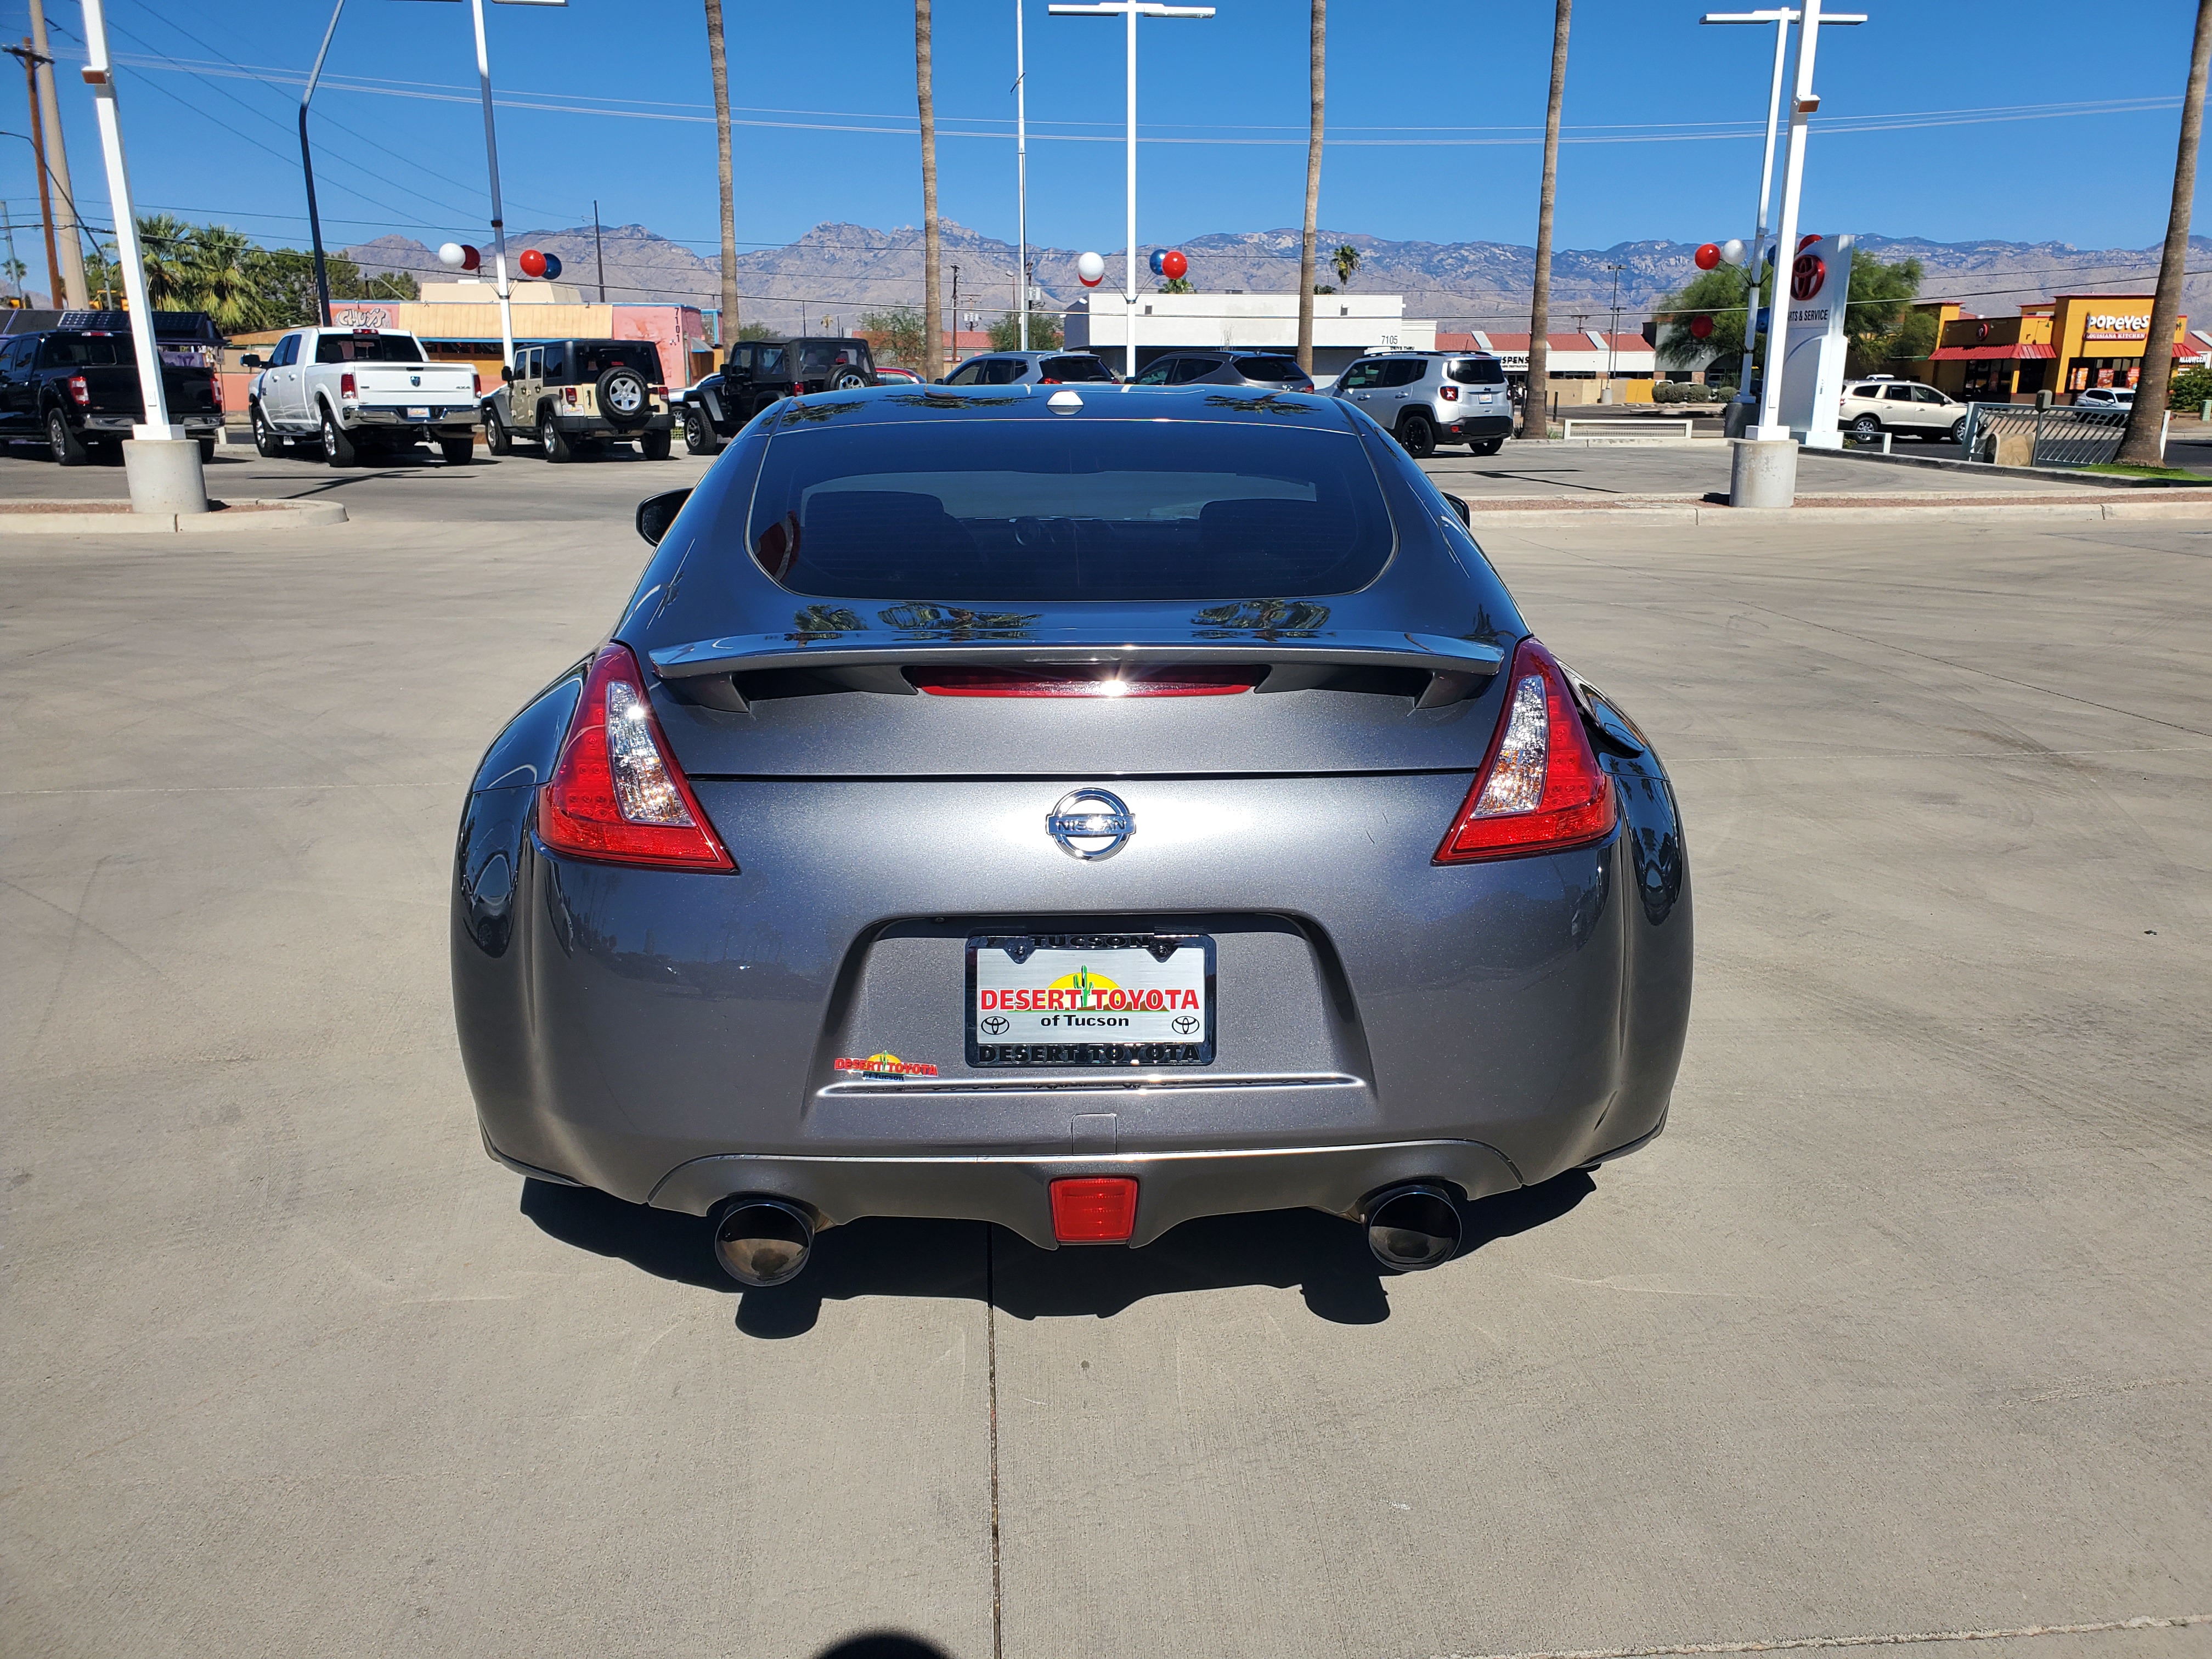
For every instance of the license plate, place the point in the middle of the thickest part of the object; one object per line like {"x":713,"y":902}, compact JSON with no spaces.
{"x":418,"y":414}
{"x":1090,"y":1000}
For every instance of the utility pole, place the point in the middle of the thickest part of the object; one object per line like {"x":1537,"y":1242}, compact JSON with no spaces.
{"x":956,"y":314}
{"x":69,"y":231}
{"x":599,"y":249}
{"x":8,"y":224}
{"x":1611,"y":338}
{"x":2147,"y":419}
{"x":38,"y":153}
{"x":307,"y":170}
{"x":1536,"y":420}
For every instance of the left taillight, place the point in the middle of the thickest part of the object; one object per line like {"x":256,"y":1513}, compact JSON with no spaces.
{"x":617,"y":795}
{"x":1540,"y":790}
{"x":348,"y":386}
{"x":80,"y":393}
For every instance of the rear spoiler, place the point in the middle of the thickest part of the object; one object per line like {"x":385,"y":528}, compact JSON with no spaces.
{"x":701,"y":671}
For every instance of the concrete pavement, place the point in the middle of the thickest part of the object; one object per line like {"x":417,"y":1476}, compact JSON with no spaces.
{"x":1900,"y":1329}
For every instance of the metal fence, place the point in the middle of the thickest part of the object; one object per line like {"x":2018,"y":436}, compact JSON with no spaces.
{"x":2063,"y":435}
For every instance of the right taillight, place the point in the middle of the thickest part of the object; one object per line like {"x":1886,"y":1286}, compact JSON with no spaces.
{"x":1540,"y":790}
{"x":617,"y":795}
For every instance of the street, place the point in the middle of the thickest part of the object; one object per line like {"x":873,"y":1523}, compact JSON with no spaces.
{"x":1897,"y":1329}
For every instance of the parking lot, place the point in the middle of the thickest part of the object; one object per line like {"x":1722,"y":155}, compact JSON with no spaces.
{"x":1900,"y":1330}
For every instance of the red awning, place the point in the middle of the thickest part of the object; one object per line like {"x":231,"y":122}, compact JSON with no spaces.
{"x":2007,"y":353}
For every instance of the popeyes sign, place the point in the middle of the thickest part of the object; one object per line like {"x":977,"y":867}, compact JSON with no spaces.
{"x":2116,"y":326}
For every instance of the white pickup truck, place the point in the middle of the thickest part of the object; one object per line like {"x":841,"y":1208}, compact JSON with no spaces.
{"x":361,"y":391}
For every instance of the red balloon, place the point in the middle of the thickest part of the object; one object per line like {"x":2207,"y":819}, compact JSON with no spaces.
{"x":1804,"y":242}
{"x":533,"y":262}
{"x":1701,"y":328}
{"x":1709,"y":256}
{"x":1172,"y":263}
{"x":470,"y":257}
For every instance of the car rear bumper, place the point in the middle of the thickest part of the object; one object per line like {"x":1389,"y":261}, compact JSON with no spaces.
{"x":1480,"y":426}
{"x":598,"y":426}
{"x":461,"y":419}
{"x":199,"y":426}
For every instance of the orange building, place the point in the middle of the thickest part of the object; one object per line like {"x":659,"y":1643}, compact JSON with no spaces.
{"x":2062,"y":345}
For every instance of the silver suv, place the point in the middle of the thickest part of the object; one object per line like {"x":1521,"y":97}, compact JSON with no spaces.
{"x":1880,"y":403}
{"x":1424,"y":399}
{"x":1029,"y":367}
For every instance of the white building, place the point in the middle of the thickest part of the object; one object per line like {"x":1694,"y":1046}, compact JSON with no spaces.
{"x":1345,"y":325}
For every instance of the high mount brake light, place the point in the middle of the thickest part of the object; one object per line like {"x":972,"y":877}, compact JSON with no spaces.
{"x":1541,"y":789}
{"x":1192,"y":681}
{"x":617,"y":795}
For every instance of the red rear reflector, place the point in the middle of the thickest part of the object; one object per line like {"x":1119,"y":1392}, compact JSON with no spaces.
{"x":1094,"y":1209}
{"x":1204,"y":682}
{"x":617,"y":795}
{"x":1541,"y":789}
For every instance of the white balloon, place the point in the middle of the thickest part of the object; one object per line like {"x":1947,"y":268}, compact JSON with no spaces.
{"x":1090,"y":270}
{"x":1732,"y":250}
{"x":453,"y":253}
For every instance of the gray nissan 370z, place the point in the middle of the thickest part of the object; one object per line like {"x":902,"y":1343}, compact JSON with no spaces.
{"x":1081,"y":810}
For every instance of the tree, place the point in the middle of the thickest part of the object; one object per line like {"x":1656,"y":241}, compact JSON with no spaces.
{"x":926,"y":98}
{"x":1535,"y":422}
{"x":763,"y":332}
{"x":1044,"y":332}
{"x":718,"y":62}
{"x":1879,"y":320}
{"x":1183,"y":285}
{"x":1716,"y":295}
{"x":2147,"y":419}
{"x":1317,"y":63}
{"x":900,"y":335}
{"x":2191,"y":389}
{"x":1345,"y":261}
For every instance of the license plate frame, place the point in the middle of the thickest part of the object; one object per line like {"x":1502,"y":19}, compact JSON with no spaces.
{"x":1086,"y":1051}
{"x":418,"y":411}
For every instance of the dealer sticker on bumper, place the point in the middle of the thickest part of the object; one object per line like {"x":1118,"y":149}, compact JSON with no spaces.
{"x":1090,"y":1000}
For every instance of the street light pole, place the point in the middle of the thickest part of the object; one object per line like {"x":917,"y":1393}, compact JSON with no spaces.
{"x":1613,"y":334}
{"x":307,"y":170}
{"x":1131,"y":10}
{"x":1022,"y":174}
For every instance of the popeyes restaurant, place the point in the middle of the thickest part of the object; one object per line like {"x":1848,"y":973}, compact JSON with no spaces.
{"x":2062,"y":346}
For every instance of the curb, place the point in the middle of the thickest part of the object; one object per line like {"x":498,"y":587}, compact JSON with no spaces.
{"x":1956,"y":513}
{"x":1986,"y":469}
{"x":104,"y":520}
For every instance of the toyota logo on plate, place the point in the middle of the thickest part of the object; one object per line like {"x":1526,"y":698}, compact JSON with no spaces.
{"x":1093,"y":818}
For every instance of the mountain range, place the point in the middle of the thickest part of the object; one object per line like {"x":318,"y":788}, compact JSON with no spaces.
{"x":833,"y":274}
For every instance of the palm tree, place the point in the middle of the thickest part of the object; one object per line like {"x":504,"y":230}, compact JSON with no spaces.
{"x":2141,"y":447}
{"x":1316,"y":63}
{"x":1534,"y":422}
{"x":718,"y":60}
{"x":164,"y":248}
{"x":925,"y":94}
{"x":1345,"y":260}
{"x":218,"y":281}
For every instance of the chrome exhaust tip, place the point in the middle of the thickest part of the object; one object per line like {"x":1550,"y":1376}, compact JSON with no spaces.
{"x":760,"y":1242}
{"x":1413,"y":1227}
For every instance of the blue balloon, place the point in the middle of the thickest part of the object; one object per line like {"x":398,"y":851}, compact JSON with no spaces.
{"x":1159,"y":255}
{"x":552,"y":266}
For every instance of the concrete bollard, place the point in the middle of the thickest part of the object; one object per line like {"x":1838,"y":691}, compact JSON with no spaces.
{"x":1764,"y":472}
{"x":165,"y":475}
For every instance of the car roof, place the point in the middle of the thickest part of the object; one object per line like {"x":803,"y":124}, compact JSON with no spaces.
{"x":805,"y":339}
{"x":1021,"y":400}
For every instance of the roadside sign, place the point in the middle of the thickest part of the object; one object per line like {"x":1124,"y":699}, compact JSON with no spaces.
{"x":1813,"y":350}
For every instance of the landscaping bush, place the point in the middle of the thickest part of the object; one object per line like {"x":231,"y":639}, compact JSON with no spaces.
{"x":2188,"y":389}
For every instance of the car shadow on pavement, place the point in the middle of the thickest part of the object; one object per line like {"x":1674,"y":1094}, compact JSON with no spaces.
{"x":1325,"y":1257}
{"x":884,"y":1644}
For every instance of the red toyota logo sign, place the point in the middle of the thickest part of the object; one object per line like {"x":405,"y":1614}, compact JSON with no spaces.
{"x":1983,"y":333}
{"x":1807,"y":275}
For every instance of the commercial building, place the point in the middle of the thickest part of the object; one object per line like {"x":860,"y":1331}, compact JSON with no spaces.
{"x":2062,"y":345}
{"x":1346,"y":327}
{"x":1579,"y":366}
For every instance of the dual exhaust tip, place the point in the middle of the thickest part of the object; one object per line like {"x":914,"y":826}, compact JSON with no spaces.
{"x":764,"y":1242}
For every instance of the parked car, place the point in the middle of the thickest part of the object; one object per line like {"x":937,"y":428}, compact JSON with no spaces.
{"x":1880,"y":403}
{"x":2105,"y":397}
{"x":1032,"y":368}
{"x":359,"y":393}
{"x":1424,"y":399}
{"x":887,"y":375}
{"x":1175,"y":766}
{"x":1271,"y":370}
{"x":77,"y":389}
{"x":756,"y":373}
{"x":575,"y":396}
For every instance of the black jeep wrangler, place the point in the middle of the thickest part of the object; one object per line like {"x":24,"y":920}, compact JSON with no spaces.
{"x":756,"y":373}
{"x":577,"y":394}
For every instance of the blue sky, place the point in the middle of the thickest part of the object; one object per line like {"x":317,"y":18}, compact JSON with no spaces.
{"x":1435,"y":112}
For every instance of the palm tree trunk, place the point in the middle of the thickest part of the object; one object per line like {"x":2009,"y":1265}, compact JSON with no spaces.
{"x":2141,"y":446}
{"x":925,"y":94}
{"x":719,"y":62}
{"x":1317,"y":71}
{"x":1536,"y":420}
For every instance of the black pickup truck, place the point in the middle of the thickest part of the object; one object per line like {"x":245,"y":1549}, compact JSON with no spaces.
{"x":77,"y":390}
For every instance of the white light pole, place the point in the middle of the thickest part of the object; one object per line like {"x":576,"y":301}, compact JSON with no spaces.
{"x":1022,"y":174}
{"x":162,"y":462}
{"x":1782,"y":19}
{"x":1131,"y":9}
{"x":491,"y":161}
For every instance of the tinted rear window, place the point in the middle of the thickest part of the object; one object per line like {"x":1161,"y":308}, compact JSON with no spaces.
{"x":1075,"y":369}
{"x":368,"y":348}
{"x":1112,"y":510}
{"x":593,"y":360}
{"x":1284,"y":369}
{"x":1477,"y":371}
{"x":86,"y":351}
